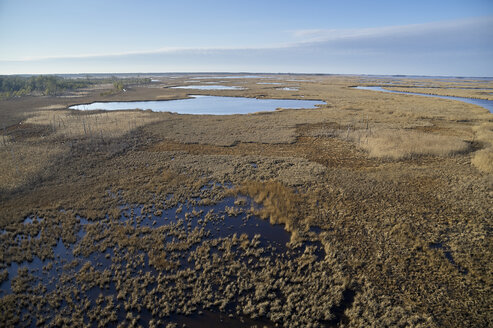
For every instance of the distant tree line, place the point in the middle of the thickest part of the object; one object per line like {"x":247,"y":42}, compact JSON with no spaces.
{"x":122,"y":83}
{"x":18,"y":86}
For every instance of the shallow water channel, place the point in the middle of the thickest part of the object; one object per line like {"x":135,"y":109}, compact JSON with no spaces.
{"x":211,"y":105}
{"x":488,"y":104}
{"x":229,"y":218}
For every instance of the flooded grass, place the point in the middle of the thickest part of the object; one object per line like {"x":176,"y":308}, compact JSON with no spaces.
{"x":192,"y":237}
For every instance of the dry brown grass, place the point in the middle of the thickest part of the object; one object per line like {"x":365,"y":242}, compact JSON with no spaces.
{"x":5,"y":141}
{"x":70,"y":124}
{"x":483,"y":160}
{"x":401,"y":144}
{"x":484,"y":133}
{"x":22,"y":163}
{"x":279,"y":203}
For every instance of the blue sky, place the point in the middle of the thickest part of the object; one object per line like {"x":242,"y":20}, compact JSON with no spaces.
{"x":343,"y":37}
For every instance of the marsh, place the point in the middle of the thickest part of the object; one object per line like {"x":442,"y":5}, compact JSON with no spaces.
{"x":323,"y":215}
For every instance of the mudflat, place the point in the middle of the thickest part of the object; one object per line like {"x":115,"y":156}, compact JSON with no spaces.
{"x":145,"y":218}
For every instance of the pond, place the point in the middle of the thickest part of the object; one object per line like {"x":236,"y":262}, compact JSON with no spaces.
{"x":288,"y":89}
{"x":488,"y":104}
{"x":211,"y":105}
{"x":209,"y":87}
{"x":229,"y":77}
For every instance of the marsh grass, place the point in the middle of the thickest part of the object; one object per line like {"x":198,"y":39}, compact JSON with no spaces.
{"x":65,"y":135}
{"x":403,"y":144}
{"x":279,"y":203}
{"x":391,"y":141}
{"x":5,"y":141}
{"x":377,"y":217}
{"x":483,"y":160}
{"x":69,"y":124}
{"x":24,"y":163}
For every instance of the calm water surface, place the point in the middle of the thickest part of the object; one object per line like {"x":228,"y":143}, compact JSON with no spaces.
{"x":211,"y":105}
{"x":230,"y":77}
{"x":288,"y":89}
{"x":488,"y":104}
{"x":208,"y":87}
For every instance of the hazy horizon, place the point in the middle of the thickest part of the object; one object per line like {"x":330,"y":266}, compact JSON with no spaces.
{"x":317,"y":37}
{"x":247,"y":73}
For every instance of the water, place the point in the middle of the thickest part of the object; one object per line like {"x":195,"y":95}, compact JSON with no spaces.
{"x":288,"y":89}
{"x":211,"y":105}
{"x":488,"y":104}
{"x":230,"y":77}
{"x":209,"y":87}
{"x":441,"y":78}
{"x":274,"y":235}
{"x":298,"y":80}
{"x":228,"y":218}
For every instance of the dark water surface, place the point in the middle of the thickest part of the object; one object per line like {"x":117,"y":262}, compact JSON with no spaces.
{"x":272,"y":237}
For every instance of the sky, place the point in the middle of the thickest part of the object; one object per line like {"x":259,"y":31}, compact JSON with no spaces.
{"x":447,"y":38}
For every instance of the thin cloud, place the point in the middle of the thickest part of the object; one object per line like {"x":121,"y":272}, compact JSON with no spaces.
{"x":167,"y":50}
{"x":461,"y":48}
{"x":327,"y":35}
{"x":430,"y":35}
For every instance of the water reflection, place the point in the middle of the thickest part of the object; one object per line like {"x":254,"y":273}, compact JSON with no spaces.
{"x":211,"y":105}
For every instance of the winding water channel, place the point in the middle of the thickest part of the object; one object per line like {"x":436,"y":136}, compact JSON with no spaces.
{"x":488,"y":104}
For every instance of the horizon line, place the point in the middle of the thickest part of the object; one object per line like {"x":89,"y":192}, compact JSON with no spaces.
{"x":248,"y":72}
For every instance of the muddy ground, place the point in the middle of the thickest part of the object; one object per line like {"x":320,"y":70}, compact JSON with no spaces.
{"x":141,"y":218}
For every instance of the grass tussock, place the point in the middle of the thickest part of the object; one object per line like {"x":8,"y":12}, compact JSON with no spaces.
{"x":402,"y":144}
{"x":5,"y":141}
{"x":484,"y":132}
{"x":279,"y":203}
{"x":483,"y":160}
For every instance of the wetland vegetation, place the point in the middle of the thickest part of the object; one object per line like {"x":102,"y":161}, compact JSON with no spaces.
{"x":372,"y":209}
